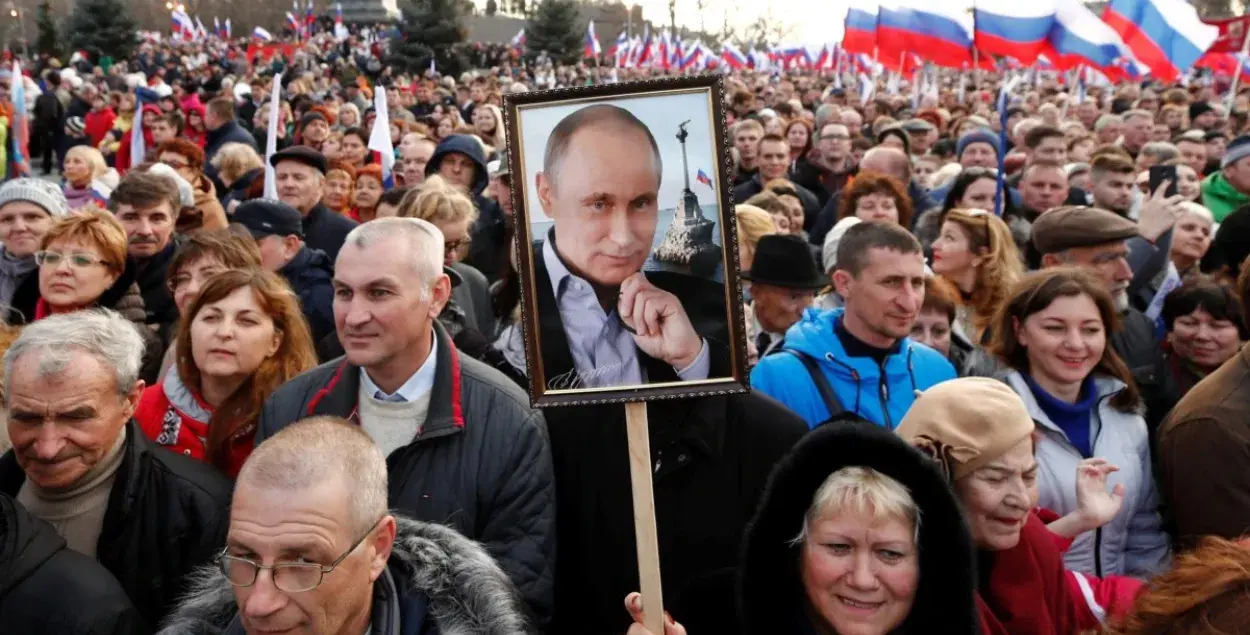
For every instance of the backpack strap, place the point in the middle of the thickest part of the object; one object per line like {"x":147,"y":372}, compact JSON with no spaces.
{"x":822,"y":383}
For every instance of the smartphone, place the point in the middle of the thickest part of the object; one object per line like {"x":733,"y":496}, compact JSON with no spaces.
{"x":1161,"y":173}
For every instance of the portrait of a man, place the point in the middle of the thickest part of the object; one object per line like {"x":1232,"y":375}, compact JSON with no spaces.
{"x":629,"y":287}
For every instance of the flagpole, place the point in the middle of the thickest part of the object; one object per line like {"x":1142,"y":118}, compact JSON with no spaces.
{"x":976,"y":70}
{"x":1232,"y":89}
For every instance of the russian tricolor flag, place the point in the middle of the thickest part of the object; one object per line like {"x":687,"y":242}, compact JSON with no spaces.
{"x":1166,"y":35}
{"x":943,"y":30}
{"x":1013,"y":27}
{"x":861,"y":27}
{"x":1080,"y":37}
{"x":732,"y":56}
{"x":592,"y":48}
{"x":703,"y":178}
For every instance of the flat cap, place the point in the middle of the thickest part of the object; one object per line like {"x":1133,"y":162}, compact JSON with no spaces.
{"x":302,"y":154}
{"x":918,"y":125}
{"x":1079,"y":226}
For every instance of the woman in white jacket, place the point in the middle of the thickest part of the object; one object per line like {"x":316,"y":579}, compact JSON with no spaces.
{"x":1052,"y":334}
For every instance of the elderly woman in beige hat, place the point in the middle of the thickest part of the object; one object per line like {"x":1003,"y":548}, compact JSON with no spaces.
{"x":981,"y":436}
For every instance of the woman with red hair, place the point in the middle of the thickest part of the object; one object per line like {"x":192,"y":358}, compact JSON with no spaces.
{"x":1206,"y":592}
{"x":368,"y":192}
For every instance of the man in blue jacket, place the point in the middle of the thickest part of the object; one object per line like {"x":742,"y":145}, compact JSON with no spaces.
{"x":859,"y":358}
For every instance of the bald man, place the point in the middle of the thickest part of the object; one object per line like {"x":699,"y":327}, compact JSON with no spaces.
{"x":888,"y":161}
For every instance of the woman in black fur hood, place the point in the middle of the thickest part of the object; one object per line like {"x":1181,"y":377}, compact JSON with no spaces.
{"x":818,"y":558}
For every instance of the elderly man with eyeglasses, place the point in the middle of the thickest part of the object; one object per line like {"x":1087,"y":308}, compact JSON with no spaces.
{"x":313,"y":549}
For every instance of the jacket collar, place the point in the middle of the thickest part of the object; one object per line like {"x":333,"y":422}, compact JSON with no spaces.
{"x":1103,"y":385}
{"x":125,"y":487}
{"x":433,"y":573}
{"x":446,"y":416}
{"x":557,"y":360}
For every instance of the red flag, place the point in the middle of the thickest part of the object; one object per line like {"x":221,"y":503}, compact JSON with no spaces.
{"x":1232,"y":34}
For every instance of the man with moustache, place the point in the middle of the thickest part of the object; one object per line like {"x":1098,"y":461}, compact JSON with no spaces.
{"x":604,"y":322}
{"x":147,"y":205}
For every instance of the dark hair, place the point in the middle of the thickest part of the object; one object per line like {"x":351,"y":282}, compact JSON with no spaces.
{"x":861,"y":237}
{"x":393,"y":196}
{"x":359,"y":133}
{"x":896,"y":131}
{"x":1039,"y":290}
{"x":1105,"y":164}
{"x":1201,"y":292}
{"x":173,"y":119}
{"x":767,"y":201}
{"x":1037,"y":135}
{"x":774,"y":138}
{"x":810,"y":134}
{"x":562,"y":135}
{"x":145,"y":190}
{"x":962,"y":182}
{"x":866,"y":183}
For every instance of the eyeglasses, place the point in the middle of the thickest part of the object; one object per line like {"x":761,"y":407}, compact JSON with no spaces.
{"x":78,"y":260}
{"x":292,"y":577}
{"x":457,"y":246}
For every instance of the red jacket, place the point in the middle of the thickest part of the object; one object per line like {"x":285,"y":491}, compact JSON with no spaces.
{"x":98,"y":123}
{"x":1028,"y":592}
{"x":176,"y":418}
{"x":1110,"y":596}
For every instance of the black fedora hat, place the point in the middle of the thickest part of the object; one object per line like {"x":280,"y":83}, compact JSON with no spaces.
{"x":785,"y":260}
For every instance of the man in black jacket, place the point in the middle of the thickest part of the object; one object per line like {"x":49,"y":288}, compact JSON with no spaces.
{"x":774,"y":162}
{"x":80,"y":461}
{"x":463,"y":446}
{"x":49,"y":122}
{"x":147,"y":205}
{"x":47,"y":588}
{"x":301,"y":178}
{"x":279,"y":234}
{"x":223,"y":128}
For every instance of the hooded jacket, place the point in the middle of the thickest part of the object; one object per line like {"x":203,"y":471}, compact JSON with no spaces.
{"x":881,"y":394}
{"x":1134,"y":542}
{"x":481,"y":463}
{"x":309,"y":273}
{"x":436,"y":582}
{"x":772,"y":598}
{"x":45,"y":587}
{"x":1219,"y":196}
{"x":490,"y":233}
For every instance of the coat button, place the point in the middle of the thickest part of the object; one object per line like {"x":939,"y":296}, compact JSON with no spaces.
{"x":186,"y":452}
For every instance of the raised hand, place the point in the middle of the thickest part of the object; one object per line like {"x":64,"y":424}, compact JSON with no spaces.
{"x":1095,"y":504}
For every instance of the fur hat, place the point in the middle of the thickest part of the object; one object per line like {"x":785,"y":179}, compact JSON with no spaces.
{"x":966,"y":423}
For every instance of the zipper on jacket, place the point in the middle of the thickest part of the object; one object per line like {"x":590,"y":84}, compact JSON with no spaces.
{"x":1098,"y":552}
{"x":884,"y":390}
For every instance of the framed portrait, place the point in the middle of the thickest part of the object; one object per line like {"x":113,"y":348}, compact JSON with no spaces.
{"x":626,"y":242}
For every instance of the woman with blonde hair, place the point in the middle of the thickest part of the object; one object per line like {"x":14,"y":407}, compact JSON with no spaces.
{"x":243,"y":335}
{"x":975,"y":252}
{"x":753,"y":224}
{"x":450,"y":210}
{"x":488,"y":126}
{"x":84,"y":165}
{"x":349,"y":117}
{"x":238,"y":166}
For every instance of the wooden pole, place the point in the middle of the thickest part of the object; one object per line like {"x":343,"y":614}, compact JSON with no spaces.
{"x":647,"y":540}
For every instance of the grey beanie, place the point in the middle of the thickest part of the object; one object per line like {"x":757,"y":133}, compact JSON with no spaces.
{"x":43,"y":193}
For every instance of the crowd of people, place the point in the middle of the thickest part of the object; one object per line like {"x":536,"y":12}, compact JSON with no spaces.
{"x":1003,"y":404}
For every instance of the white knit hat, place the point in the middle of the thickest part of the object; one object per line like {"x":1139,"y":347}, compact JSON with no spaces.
{"x":43,"y":193}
